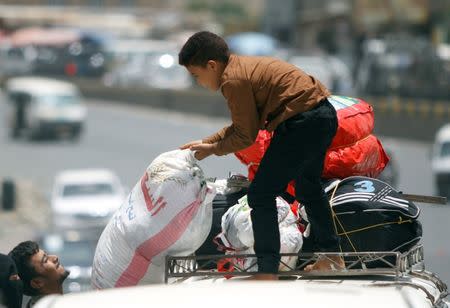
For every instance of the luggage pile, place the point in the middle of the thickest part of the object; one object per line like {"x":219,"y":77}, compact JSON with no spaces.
{"x":174,"y":211}
{"x":369,"y":214}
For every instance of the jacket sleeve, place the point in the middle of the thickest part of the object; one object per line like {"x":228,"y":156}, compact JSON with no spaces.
{"x":219,"y":135}
{"x":244,"y":114}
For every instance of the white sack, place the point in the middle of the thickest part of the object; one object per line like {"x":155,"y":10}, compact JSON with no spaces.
{"x":169,"y":211}
{"x":237,"y":233}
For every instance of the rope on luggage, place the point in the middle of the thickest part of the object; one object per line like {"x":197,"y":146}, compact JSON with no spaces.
{"x":346,"y":233}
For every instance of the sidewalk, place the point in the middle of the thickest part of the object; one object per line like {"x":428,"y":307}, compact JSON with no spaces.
{"x":30,"y":216}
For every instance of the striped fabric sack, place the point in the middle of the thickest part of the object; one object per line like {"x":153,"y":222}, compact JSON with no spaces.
{"x":168,"y":211}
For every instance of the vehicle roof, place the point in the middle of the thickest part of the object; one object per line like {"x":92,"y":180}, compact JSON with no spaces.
{"x":346,"y":293}
{"x":40,"y":85}
{"x":85,"y":176}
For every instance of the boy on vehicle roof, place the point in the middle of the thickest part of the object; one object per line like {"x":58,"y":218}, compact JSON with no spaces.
{"x":266,"y":93}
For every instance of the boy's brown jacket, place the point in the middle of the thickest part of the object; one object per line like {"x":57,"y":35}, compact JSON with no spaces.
{"x":261,"y":93}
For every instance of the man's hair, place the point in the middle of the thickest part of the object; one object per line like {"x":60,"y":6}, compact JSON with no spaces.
{"x":22,"y":254}
{"x":202,"y":47}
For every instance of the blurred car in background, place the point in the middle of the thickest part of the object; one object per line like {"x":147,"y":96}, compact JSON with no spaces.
{"x":82,"y":57}
{"x":329,"y":70}
{"x":75,"y":251}
{"x":405,"y":66}
{"x":41,"y":107}
{"x":56,"y":51}
{"x":85,"y":198}
{"x":146,"y":63}
{"x":440,"y":161}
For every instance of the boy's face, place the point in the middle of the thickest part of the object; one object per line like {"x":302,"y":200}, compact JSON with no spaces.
{"x":51,"y":272}
{"x":208,"y":76}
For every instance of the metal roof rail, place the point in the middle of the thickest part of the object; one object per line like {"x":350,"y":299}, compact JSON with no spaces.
{"x":394,"y":265}
{"x":356,"y":264}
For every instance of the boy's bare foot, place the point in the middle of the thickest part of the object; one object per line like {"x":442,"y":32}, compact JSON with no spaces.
{"x":262,"y":277}
{"x":328,"y":263}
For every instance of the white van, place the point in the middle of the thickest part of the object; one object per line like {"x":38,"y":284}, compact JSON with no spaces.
{"x":40,"y":107}
{"x":401,"y":284}
{"x":440,"y":161}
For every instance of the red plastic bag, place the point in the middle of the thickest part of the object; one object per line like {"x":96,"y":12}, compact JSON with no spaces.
{"x":353,"y":151}
{"x":252,"y":155}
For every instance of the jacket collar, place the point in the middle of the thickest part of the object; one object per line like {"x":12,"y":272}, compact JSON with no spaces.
{"x":232,"y":60}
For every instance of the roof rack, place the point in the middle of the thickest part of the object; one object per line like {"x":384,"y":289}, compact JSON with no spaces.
{"x":396,"y":265}
{"x":356,"y":263}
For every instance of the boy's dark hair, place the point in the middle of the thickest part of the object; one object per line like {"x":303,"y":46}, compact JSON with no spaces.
{"x":202,"y":47}
{"x":21,"y":254}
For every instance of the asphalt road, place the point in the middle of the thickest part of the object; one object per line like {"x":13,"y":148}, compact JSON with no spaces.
{"x":127,"y":138}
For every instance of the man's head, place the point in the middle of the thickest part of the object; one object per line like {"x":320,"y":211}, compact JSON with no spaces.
{"x":41,"y":273}
{"x":205,"y":56}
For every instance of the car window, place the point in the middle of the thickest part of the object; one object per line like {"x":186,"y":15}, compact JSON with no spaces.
{"x":15,"y":53}
{"x":75,"y":190}
{"x":19,"y":97}
{"x":58,"y":100}
{"x":445,"y":149}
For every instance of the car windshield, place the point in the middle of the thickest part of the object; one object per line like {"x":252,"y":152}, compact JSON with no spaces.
{"x":71,"y":253}
{"x":90,"y":189}
{"x":445,"y":149}
{"x":58,"y":100}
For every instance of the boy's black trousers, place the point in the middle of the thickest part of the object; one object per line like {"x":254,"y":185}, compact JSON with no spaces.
{"x":296,"y":152}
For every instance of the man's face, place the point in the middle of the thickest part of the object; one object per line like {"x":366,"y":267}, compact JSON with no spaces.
{"x":208,"y":76}
{"x":51,"y":273}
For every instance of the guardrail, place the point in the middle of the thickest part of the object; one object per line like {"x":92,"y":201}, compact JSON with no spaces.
{"x":417,"y":119}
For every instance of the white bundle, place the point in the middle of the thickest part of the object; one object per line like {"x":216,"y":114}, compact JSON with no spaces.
{"x":169,"y":211}
{"x":237,"y":233}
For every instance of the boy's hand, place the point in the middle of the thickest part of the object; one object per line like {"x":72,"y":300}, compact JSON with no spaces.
{"x":190,"y":144}
{"x":202,"y":150}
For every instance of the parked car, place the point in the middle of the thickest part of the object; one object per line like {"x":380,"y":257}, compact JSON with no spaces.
{"x":440,"y":161}
{"x":85,"y":198}
{"x":41,"y":107}
{"x":61,"y":51}
{"x":75,"y":251}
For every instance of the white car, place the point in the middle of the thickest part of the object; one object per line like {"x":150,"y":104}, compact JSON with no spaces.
{"x":85,"y":197}
{"x":404,"y":284}
{"x":42,"y":106}
{"x":440,"y":161}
